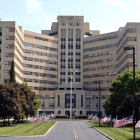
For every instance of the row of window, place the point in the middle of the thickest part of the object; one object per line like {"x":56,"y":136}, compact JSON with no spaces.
{"x":40,"y":60}
{"x":40,"y":81}
{"x":100,"y":47}
{"x":100,"y":39}
{"x":20,"y":46}
{"x":20,"y":37}
{"x":101,"y":75}
{"x":101,"y":68}
{"x":39,"y":67}
{"x":19,"y":52}
{"x":127,"y":31}
{"x":101,"y":61}
{"x":16,"y":57}
{"x":18,"y":76}
{"x":41,"y":54}
{"x":39,"y":74}
{"x":44,"y":89}
{"x":100,"y":54}
{"x":40,"y":47}
{"x":97,"y":82}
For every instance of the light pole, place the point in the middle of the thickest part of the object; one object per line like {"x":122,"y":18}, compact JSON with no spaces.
{"x":89,"y":104}
{"x":130,"y":48}
{"x":99,"y":104}
{"x":43,"y":104}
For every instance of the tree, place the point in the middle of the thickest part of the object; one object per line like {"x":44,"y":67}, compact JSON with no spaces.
{"x":120,"y":100}
{"x":12,"y":73}
{"x":16,"y":100}
{"x":37,"y":102}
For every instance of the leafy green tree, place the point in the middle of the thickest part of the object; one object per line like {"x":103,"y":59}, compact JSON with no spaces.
{"x":12,"y":73}
{"x":16,"y":100}
{"x":37,"y":102}
{"x":120,"y":100}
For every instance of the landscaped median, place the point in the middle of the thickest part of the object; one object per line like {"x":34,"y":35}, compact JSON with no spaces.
{"x":122,"y":133}
{"x":27,"y":129}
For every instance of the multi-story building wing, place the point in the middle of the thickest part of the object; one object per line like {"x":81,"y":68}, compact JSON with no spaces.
{"x":68,"y":53}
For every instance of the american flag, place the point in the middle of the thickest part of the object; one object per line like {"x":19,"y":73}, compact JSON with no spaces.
{"x":32,"y":119}
{"x":106,"y":119}
{"x":138,"y":124}
{"x":47,"y":116}
{"x":97,"y":119}
{"x":118,"y":123}
{"x":94,"y":117}
{"x":130,"y":119}
{"x":42,"y":119}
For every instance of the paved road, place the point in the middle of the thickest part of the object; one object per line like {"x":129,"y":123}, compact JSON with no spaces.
{"x":67,"y":130}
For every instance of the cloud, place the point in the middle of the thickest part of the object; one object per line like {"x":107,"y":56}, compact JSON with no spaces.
{"x":117,"y":3}
{"x":33,"y":5}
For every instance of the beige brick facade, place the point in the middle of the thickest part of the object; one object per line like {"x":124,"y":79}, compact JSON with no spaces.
{"x":47,"y":61}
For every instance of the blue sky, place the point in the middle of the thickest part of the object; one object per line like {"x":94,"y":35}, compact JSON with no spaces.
{"x":103,"y":15}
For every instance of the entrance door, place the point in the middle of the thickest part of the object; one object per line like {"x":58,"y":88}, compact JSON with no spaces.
{"x":67,"y":113}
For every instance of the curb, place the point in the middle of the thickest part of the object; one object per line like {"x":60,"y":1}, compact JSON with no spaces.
{"x":34,"y":135}
{"x":101,"y":132}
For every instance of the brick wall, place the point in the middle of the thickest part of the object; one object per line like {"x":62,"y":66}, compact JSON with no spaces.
{"x":11,"y":38}
{"x":12,"y":29}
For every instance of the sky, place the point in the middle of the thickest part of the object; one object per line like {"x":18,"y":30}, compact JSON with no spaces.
{"x":104,"y":15}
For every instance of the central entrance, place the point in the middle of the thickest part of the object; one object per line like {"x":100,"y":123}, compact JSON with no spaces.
{"x":67,"y":113}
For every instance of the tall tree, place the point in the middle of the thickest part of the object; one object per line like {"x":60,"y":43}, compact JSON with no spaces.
{"x":120,"y":100}
{"x":37,"y":102}
{"x":12,"y":73}
{"x":16,"y":100}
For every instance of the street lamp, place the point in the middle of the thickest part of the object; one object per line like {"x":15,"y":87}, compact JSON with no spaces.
{"x":89,"y":104}
{"x":130,"y":48}
{"x":99,"y":104}
{"x":43,"y":103}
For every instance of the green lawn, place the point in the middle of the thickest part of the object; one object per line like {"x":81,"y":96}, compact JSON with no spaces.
{"x":122,"y":133}
{"x":26,"y":129}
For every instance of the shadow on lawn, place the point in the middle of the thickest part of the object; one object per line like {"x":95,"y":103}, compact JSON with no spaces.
{"x":13,"y":125}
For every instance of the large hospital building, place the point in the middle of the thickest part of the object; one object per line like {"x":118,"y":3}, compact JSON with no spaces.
{"x":69,"y":52}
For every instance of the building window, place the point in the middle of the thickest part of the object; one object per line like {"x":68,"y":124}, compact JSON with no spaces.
{"x":35,"y":88}
{"x":7,"y":29}
{"x":81,"y":100}
{"x":7,"y":37}
{"x":6,"y":72}
{"x":6,"y":63}
{"x":58,"y":100}
{"x":45,"y":48}
{"x":36,"y":67}
{"x":36,"y":60}
{"x":136,"y":64}
{"x":37,"y":46}
{"x":6,"y":54}
{"x":45,"y":54}
{"x":45,"y":61}
{"x":29,"y":45}
{"x":5,"y":81}
{"x":6,"y":46}
{"x":135,"y":56}
{"x":135,"y":47}
{"x":29,"y":51}
{"x":135,"y":38}
{"x":36,"y":53}
{"x":104,"y":47}
{"x":134,"y":30}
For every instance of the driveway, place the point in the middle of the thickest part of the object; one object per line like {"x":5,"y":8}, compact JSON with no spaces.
{"x":66,"y":130}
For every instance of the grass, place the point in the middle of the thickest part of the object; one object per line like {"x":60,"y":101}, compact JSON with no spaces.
{"x":122,"y":133}
{"x":26,"y":129}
